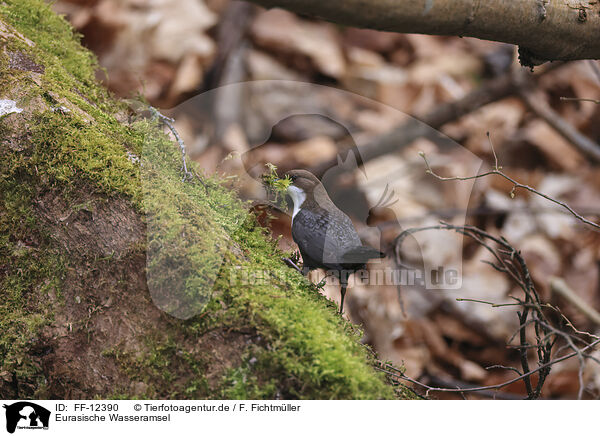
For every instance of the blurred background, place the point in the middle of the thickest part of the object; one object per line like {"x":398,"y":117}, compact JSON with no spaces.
{"x":171,"y":51}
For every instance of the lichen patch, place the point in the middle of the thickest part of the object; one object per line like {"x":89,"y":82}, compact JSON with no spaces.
{"x":9,"y":107}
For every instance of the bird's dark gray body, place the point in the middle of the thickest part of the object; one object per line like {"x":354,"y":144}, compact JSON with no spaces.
{"x":327,"y":239}
{"x":325,"y":235}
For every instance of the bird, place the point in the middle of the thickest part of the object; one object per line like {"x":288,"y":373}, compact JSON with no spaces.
{"x":324,"y":234}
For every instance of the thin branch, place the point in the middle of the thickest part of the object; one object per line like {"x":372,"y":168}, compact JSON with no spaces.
{"x":556,"y":34}
{"x":514,"y":265}
{"x":291,"y":264}
{"x":510,"y":368}
{"x":508,"y":260}
{"x":497,"y":170}
{"x":170,"y":123}
{"x":591,"y":100}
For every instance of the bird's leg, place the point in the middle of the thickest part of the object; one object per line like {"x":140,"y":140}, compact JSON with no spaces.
{"x":343,"y":285}
{"x":343,"y":290}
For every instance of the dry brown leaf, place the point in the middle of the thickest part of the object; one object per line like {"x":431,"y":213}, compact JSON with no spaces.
{"x":262,"y":66}
{"x":313,"y":151}
{"x":372,"y":40}
{"x":282,"y":31}
{"x":438,"y":347}
{"x":559,"y":152}
{"x":542,"y":257}
{"x":188,"y":76}
{"x":458,"y":331}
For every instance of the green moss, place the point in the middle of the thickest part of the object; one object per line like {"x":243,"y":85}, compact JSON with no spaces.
{"x":188,"y":228}
{"x":30,"y":278}
{"x":67,"y":148}
{"x":57,"y":151}
{"x":158,"y":365}
{"x":53,"y":35}
{"x":201,"y":242}
{"x":88,"y":139}
{"x":278,"y":185}
{"x":69,"y":68}
{"x":311,"y":346}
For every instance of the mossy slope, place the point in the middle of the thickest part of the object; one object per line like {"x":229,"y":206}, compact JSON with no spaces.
{"x":73,"y":246}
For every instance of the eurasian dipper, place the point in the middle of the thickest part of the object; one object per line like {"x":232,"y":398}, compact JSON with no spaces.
{"x":325,"y":235}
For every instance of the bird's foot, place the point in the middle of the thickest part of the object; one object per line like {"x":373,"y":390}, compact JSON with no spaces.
{"x":289,"y":262}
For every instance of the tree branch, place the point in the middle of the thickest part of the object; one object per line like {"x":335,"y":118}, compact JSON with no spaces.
{"x":545,"y":30}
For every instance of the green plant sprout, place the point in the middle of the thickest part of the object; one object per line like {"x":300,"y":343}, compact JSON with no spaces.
{"x":276,"y":184}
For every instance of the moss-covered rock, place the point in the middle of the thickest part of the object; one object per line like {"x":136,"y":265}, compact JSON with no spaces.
{"x":87,"y":239}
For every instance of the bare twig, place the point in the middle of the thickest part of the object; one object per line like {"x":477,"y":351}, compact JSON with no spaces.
{"x":510,"y":368}
{"x":591,"y":100}
{"x":291,"y":264}
{"x":497,"y":170}
{"x":509,"y":261}
{"x":170,"y":123}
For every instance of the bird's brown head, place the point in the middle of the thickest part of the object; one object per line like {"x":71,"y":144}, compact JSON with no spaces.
{"x":303,"y":179}
{"x":306,"y":191}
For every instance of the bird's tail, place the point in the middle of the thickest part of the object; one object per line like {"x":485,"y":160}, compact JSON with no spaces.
{"x":361,"y":254}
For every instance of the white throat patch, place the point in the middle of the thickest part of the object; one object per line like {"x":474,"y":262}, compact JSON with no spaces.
{"x":298,"y":197}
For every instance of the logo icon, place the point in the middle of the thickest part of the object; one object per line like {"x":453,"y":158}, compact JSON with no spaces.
{"x":26,"y":415}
